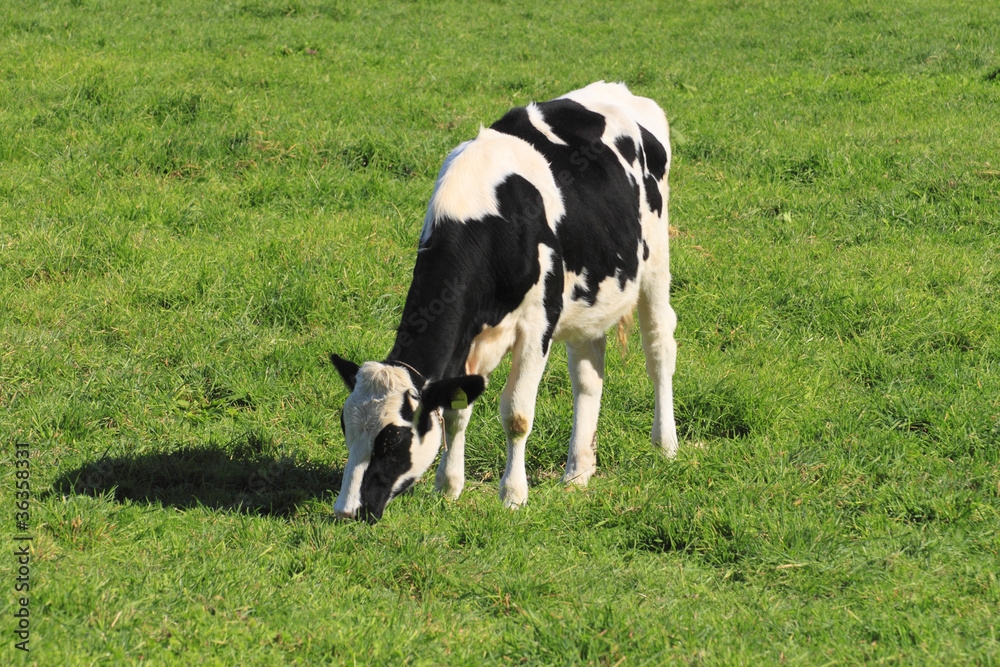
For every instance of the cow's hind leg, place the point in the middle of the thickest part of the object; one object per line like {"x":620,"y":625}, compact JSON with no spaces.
{"x":586,"y":370}
{"x":517,"y":412}
{"x":657,"y":322}
{"x":450,"y":476}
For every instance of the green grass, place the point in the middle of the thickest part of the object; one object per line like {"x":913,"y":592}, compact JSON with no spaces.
{"x":199,"y":201}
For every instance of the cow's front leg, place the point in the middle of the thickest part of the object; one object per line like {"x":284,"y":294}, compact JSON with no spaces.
{"x":450,"y":476}
{"x":517,"y":412}
{"x":586,"y":370}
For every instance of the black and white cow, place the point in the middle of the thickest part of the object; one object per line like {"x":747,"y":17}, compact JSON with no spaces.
{"x":551,"y":225}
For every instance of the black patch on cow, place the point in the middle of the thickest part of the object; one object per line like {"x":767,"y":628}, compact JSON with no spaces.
{"x":552,"y":301}
{"x":645,"y":250}
{"x":390,"y":459}
{"x":424,"y":422}
{"x":406,"y":410}
{"x":653,"y":196}
{"x":656,"y":154}
{"x":626,"y":148}
{"x":601,"y":230}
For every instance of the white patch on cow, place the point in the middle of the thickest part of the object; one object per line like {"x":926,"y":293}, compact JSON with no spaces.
{"x":582,"y":322}
{"x":517,"y":402}
{"x":349,"y":499}
{"x":538,"y":121}
{"x":466,"y":187}
{"x":445,"y":168}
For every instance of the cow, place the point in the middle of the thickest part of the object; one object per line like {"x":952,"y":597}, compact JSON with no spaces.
{"x":550,"y":225}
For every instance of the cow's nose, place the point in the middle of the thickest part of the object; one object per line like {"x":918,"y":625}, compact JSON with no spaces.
{"x":343,"y":515}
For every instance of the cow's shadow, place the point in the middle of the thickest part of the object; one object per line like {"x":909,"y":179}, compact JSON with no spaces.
{"x":240,"y":479}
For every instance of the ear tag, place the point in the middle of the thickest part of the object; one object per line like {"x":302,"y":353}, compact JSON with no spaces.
{"x":459,"y":400}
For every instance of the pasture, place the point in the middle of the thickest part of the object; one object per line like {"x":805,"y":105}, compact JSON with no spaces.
{"x":199,"y":201}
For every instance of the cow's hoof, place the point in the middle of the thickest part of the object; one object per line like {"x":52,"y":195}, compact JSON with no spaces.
{"x":512,"y":497}
{"x":449,"y":488}
{"x":578,"y":477}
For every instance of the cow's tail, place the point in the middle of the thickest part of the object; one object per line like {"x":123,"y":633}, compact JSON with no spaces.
{"x":624,"y":326}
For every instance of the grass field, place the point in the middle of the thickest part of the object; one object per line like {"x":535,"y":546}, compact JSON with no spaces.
{"x":199,"y":201}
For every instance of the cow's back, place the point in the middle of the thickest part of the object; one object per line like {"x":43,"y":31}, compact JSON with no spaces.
{"x":577,"y":183}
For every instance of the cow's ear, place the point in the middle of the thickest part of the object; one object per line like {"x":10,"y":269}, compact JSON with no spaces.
{"x":452,"y":393}
{"x":348,"y":369}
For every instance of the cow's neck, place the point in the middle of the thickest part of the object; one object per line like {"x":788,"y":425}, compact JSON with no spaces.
{"x":439,"y":319}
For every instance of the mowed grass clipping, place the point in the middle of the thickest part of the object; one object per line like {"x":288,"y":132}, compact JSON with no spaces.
{"x":200,"y":201}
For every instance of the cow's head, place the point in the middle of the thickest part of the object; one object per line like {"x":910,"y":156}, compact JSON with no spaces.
{"x":392,"y":426}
